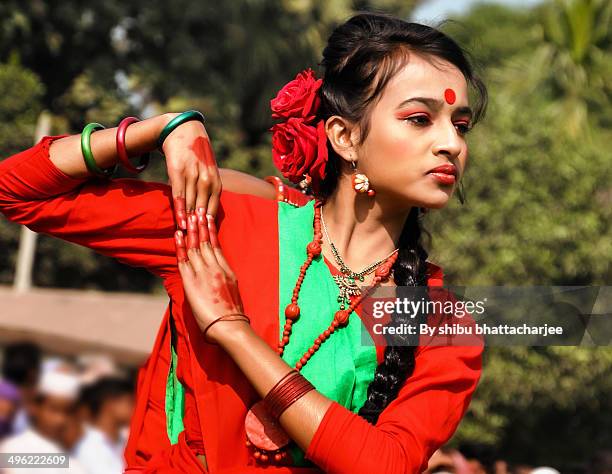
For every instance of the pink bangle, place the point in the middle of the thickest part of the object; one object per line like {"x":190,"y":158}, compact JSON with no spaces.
{"x":122,"y":149}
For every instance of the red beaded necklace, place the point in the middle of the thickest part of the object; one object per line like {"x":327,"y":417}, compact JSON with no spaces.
{"x":264,"y":433}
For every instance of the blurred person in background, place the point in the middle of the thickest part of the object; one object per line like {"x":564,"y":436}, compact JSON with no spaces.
{"x":50,"y":413}
{"x":442,"y":462}
{"x":92,"y":367}
{"x":479,"y":457}
{"x":501,"y":467}
{"x":521,"y":469}
{"x":21,"y":365}
{"x":109,"y":404}
{"x":10,"y":399}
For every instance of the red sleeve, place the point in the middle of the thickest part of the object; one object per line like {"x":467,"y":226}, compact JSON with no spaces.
{"x":127,"y":219}
{"x":423,"y":417}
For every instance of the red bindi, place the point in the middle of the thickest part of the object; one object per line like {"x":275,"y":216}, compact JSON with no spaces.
{"x":449,"y":96}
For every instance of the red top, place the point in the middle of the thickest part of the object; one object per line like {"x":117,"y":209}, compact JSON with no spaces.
{"x":132,"y":221}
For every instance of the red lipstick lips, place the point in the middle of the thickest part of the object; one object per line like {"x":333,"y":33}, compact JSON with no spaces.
{"x":444,"y":174}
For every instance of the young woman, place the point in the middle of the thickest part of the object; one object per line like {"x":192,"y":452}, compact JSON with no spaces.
{"x":380,"y":137}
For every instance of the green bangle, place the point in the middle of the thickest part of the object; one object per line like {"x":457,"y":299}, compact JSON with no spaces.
{"x":175,"y":122}
{"x":88,"y":157}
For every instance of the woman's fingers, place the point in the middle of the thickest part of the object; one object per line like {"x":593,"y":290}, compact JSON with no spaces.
{"x":223,"y":263}
{"x":214,"y":239}
{"x":177,"y":182}
{"x":180,"y":215}
{"x":216,"y":247}
{"x":212,"y":231}
{"x":181,"y":250}
{"x":214,"y":178}
{"x":202,"y":224}
{"x":215,"y":195}
{"x":191,"y":187}
{"x":203,"y":186}
{"x":193,"y":244}
{"x":208,"y":255}
{"x":207,"y":247}
{"x":202,"y":150}
{"x":193,"y":238}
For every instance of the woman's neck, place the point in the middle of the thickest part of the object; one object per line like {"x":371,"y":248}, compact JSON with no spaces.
{"x":362,"y":228}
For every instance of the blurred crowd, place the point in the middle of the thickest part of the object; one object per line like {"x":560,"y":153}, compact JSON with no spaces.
{"x":473,"y":458}
{"x":81,"y":407}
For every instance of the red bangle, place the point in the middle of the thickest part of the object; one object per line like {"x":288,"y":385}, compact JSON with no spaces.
{"x":287,"y":391}
{"x":122,"y":150}
{"x":226,"y":317}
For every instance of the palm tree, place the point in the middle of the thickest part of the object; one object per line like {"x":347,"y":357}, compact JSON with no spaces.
{"x":573,"y":62}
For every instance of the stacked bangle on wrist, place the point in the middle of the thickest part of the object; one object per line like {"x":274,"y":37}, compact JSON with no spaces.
{"x":175,"y":122}
{"x":122,"y":149}
{"x":226,"y":317}
{"x":287,"y":391}
{"x":90,"y":162}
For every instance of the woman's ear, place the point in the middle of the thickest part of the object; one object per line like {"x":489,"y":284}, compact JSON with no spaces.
{"x":341,"y":134}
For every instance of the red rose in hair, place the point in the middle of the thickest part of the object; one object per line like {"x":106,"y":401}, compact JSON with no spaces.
{"x":294,"y":148}
{"x":299,"y":98}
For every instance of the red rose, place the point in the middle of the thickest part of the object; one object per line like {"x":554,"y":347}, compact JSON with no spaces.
{"x":299,"y":98}
{"x":296,"y":149}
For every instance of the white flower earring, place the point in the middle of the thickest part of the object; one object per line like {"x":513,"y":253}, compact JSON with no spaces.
{"x":361,"y":183}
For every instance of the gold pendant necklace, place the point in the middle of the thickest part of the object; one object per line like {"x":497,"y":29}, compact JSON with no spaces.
{"x":347,"y":282}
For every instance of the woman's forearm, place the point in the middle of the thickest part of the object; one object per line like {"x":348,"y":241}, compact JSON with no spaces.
{"x":141,"y":137}
{"x":66,"y":155}
{"x":264,"y":368}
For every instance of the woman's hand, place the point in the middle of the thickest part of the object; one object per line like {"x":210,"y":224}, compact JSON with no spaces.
{"x":210,"y":284}
{"x":193,"y":172}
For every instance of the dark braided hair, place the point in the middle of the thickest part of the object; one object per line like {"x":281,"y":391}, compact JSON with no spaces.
{"x":360,"y":58}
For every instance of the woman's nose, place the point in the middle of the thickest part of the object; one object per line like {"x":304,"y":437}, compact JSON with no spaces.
{"x":448,"y":142}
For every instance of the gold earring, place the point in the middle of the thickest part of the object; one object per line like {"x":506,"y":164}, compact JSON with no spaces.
{"x":361,"y":183}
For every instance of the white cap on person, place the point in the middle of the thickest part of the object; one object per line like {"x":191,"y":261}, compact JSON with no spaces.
{"x":58,"y":384}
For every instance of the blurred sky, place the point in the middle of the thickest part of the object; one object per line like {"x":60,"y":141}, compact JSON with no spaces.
{"x":437,"y":10}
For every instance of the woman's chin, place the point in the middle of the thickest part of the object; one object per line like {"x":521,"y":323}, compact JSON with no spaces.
{"x":430,"y":199}
{"x":437,"y":200}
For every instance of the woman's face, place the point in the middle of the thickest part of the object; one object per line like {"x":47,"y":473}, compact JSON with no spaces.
{"x":418,"y":124}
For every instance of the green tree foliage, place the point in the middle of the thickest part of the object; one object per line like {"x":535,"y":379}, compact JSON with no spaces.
{"x":20,"y":103}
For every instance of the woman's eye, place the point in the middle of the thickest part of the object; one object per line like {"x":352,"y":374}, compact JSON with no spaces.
{"x":463,"y":127}
{"x":419,"y":120}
